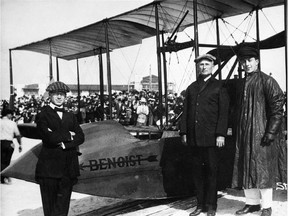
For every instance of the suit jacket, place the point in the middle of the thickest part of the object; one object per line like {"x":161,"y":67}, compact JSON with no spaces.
{"x":55,"y":162}
{"x":205,"y":113}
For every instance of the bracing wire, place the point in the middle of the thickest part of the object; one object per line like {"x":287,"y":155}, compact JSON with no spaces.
{"x":133,"y":67}
{"x":169,"y":17}
{"x":150,"y":16}
{"x":187,"y":73}
{"x":132,"y":71}
{"x":268,"y":21}
{"x":119,"y":45}
{"x":249,"y":27}
{"x":230,"y":33}
{"x":192,"y":50}
{"x":206,"y":15}
{"x":236,"y":28}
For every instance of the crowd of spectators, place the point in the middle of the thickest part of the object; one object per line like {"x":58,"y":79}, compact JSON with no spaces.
{"x":124,"y":107}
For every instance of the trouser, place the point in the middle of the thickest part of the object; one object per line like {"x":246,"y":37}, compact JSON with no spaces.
{"x":56,"y":194}
{"x":6,"y":155}
{"x":205,"y":167}
{"x":254,"y":195}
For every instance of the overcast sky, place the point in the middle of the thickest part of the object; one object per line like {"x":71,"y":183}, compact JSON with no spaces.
{"x":26,"y":21}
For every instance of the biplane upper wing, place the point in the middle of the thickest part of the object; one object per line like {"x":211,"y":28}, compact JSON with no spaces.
{"x":131,"y":27}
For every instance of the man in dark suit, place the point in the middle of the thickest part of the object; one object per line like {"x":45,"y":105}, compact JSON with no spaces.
{"x":203,"y":128}
{"x":57,"y":168}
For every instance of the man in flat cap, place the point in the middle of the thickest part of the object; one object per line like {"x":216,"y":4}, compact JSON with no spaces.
{"x":203,"y":128}
{"x":259,"y":119}
{"x":57,"y":168}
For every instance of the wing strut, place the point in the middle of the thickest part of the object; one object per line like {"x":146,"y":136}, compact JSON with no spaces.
{"x":159,"y":63}
{"x":231,"y":70}
{"x":108,"y":69}
{"x":196,"y":33}
{"x":11,"y":99}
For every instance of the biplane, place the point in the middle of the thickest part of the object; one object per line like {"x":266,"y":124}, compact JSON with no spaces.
{"x":113,"y":162}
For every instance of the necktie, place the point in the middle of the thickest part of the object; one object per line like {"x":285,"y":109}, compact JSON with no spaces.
{"x":59,"y":109}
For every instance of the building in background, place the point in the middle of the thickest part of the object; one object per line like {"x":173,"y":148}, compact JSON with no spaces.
{"x":90,"y":89}
{"x":151,"y":83}
{"x":32,"y":89}
{"x":147,"y":83}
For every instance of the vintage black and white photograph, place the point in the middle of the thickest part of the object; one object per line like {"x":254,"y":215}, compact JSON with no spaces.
{"x":143,"y":107}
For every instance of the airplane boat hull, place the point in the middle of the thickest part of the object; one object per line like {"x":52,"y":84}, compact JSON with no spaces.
{"x":116,"y":164}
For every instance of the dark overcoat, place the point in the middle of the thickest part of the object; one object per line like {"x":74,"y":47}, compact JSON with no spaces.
{"x":260,"y":112}
{"x":205,"y":113}
{"x":54,"y":162}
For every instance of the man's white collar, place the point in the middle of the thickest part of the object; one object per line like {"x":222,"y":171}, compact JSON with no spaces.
{"x":53,"y":106}
{"x":207,"y":77}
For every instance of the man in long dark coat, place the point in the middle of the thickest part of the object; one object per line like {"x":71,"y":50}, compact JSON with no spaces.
{"x":57,"y":168}
{"x":260,"y":117}
{"x":203,"y":128}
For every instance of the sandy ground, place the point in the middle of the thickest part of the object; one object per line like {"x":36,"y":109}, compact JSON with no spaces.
{"x":22,"y":198}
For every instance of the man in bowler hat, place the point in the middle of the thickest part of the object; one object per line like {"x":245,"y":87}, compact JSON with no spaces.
{"x":203,"y":129}
{"x":57,"y":168}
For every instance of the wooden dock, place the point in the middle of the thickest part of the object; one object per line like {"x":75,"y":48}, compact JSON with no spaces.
{"x":167,"y":207}
{"x":228,"y":202}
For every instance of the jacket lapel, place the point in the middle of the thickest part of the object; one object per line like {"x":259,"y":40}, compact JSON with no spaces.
{"x":54,"y":113}
{"x":205,"y":84}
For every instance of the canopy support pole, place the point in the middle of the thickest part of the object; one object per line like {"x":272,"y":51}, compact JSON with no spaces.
{"x":165,"y":80}
{"x":159,"y":64}
{"x":258,"y":35}
{"x":286,"y":50}
{"x":78,"y":97}
{"x":57,"y":68}
{"x":50,"y":62}
{"x":108,"y":70}
{"x":101,"y":84}
{"x":11,"y":99}
{"x":218,"y":51}
{"x":195,"y":16}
